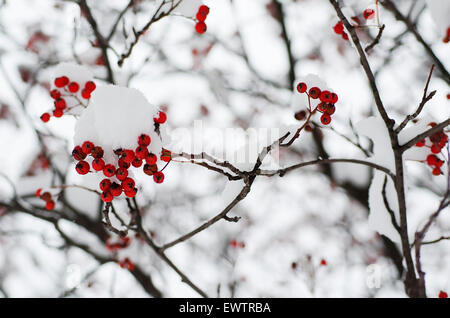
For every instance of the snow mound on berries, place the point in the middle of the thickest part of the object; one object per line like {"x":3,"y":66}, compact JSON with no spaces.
{"x":379,"y":217}
{"x":116,"y":117}
{"x":300,"y":101}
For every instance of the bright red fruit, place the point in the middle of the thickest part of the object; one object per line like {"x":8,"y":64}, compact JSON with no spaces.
{"x":89,"y":86}
{"x":128,"y":184}
{"x":301,"y":87}
{"x":443,"y":294}
{"x":105,"y":184}
{"x":200,"y":27}
{"x":109,"y":170}
{"x":435,"y":149}
{"x":150,"y":169}
{"x":432,"y":160}
{"x":55,"y":94}
{"x":50,"y":205}
{"x":58,"y":113}
{"x":82,"y":167}
{"x":128,"y":156}
{"x":98,"y":164}
{"x":339,"y":28}
{"x":314,"y":92}
{"x":151,"y":159}
{"x":158,"y":177}
{"x":420,"y":143}
{"x":60,"y":103}
{"x":45,"y":117}
{"x":78,"y":153}
{"x":115,"y":189}
{"x":144,"y":140}
{"x":121,"y":174}
{"x":61,"y":81}
{"x":38,"y":192}
{"x":437,"y":171}
{"x":85,"y":94}
{"x":74,"y":87}
{"x":137,"y":162}
{"x":106,"y":196}
{"x":325,"y":119}
{"x":161,"y":119}
{"x":141,"y":152}
{"x":325,"y":96}
{"x":97,"y":152}
{"x":87,"y":147}
{"x":204,"y":9}
{"x":131,"y":193}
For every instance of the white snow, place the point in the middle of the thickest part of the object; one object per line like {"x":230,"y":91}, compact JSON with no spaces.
{"x":440,"y":12}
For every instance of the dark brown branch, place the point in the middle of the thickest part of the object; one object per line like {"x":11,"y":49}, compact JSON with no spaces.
{"x":425,"y":134}
{"x":376,"y":40}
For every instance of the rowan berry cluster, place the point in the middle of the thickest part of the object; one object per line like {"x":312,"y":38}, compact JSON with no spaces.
{"x":435,"y":143}
{"x":326,"y":105}
{"x":127,"y":263}
{"x":64,"y":88}
{"x":117,"y":179}
{"x":201,"y":16}
{"x":47,"y":198}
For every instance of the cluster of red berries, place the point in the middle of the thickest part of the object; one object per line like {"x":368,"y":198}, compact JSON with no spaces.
{"x":127,"y":263}
{"x":443,"y":294}
{"x":369,"y":14}
{"x":436,"y":142}
{"x":66,"y":88}
{"x":327,"y":101}
{"x":201,"y":16}
{"x":126,"y":158}
{"x":446,"y":39}
{"x":115,"y":246}
{"x":339,"y":29}
{"x":47,"y":197}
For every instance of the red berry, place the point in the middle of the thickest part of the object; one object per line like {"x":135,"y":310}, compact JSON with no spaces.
{"x":322,"y":107}
{"x":435,"y":149}
{"x":55,"y":94}
{"x":128,"y":184}
{"x":122,"y":164}
{"x":161,"y":119}
{"x":61,"y":81}
{"x":38,"y":192}
{"x":150,"y":169}
{"x":45,"y":117}
{"x":204,"y":9}
{"x":151,"y":159}
{"x":89,"y":86}
{"x":74,"y":87}
{"x":166,"y":155}
{"x":443,"y":294}
{"x":345,"y":36}
{"x":420,"y":143}
{"x":439,"y":163}
{"x":46,"y":196}
{"x":339,"y":27}
{"x":128,"y":156}
{"x":200,"y":16}
{"x":97,"y":152}
{"x":323,"y":262}
{"x":141,"y":152}
{"x":85,"y":94}
{"x":50,"y":205}
{"x":144,"y":140}
{"x":330,"y":109}
{"x":325,"y":119}
{"x":78,"y":153}
{"x":334,"y":98}
{"x":60,"y":103}
{"x":109,"y":170}
{"x":87,"y":147}
{"x":98,"y":164}
{"x":301,"y":87}
{"x":437,"y":171}
{"x":105,"y":184}
{"x":137,"y":162}
{"x":131,"y":193}
{"x":158,"y":177}
{"x":432,"y":160}
{"x":325,"y":96}
{"x":82,"y":167}
{"x":314,"y":92}
{"x":200,"y":27}
{"x":121,"y":174}
{"x":58,"y":113}
{"x":106,"y":196}
{"x":115,"y":189}
{"x":369,"y":14}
